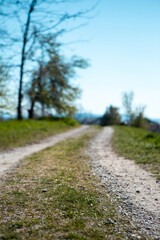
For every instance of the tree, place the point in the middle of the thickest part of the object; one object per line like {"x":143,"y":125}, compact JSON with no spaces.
{"x":50,"y":83}
{"x":127,"y":101}
{"x":138,"y":119}
{"x":4,"y":77}
{"x":110,"y":117}
{"x":35,"y":17}
{"x":6,"y":98}
{"x":135,"y":117}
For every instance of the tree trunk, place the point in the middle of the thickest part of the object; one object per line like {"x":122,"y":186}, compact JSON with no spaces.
{"x":31,"y":110}
{"x":23,"y":58}
{"x":43,"y":110}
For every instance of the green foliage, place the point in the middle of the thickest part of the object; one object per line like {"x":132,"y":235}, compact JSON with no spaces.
{"x":69,"y":121}
{"x":39,"y":18}
{"x":111,"y":117}
{"x":50,"y":84}
{"x":140,"y":145}
{"x":139,"y":121}
{"x":16,"y":133}
{"x":137,"y":118}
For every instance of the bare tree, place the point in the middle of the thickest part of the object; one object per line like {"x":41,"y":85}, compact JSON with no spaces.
{"x":33,"y":18}
{"x":127,"y":101}
{"x":3,"y":85}
{"x":135,"y":117}
{"x":6,"y":105}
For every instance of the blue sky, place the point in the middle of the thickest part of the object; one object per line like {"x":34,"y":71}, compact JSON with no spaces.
{"x":122,"y":41}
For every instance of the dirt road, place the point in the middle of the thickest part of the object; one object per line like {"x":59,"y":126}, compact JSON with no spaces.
{"x":11,"y":158}
{"x":139,"y":191}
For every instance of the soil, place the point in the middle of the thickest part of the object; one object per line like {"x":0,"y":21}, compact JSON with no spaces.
{"x":137,"y":190}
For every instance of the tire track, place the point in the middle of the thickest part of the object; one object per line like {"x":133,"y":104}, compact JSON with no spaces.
{"x":139,"y":191}
{"x":9,"y":159}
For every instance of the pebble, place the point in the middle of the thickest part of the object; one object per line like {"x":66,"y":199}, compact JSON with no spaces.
{"x":44,"y":190}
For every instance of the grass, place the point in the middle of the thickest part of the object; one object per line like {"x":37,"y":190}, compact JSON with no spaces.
{"x":140,"y":145}
{"x":53,"y":195}
{"x":16,"y":133}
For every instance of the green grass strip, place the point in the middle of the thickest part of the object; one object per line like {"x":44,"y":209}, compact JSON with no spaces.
{"x":53,"y":195}
{"x":140,"y":145}
{"x":16,"y":133}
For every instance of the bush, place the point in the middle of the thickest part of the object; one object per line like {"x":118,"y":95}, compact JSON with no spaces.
{"x":137,"y":119}
{"x":110,"y":117}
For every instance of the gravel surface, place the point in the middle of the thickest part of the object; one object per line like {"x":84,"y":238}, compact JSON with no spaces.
{"x":9,"y":159}
{"x":138,"y":192}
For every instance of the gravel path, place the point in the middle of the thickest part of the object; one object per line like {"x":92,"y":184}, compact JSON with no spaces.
{"x":138,"y":190}
{"x":9,"y":159}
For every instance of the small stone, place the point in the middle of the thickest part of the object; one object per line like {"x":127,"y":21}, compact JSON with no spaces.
{"x":44,"y":190}
{"x":109,"y":221}
{"x":137,"y":191}
{"x":156,"y":199}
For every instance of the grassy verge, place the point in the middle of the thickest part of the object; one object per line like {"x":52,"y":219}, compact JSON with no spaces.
{"x":140,"y":145}
{"x":18,"y":133}
{"x":54,"y":196}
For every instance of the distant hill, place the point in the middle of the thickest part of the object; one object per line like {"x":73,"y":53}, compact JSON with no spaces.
{"x":154,"y":126}
{"x":156,"y":120}
{"x":87,"y":118}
